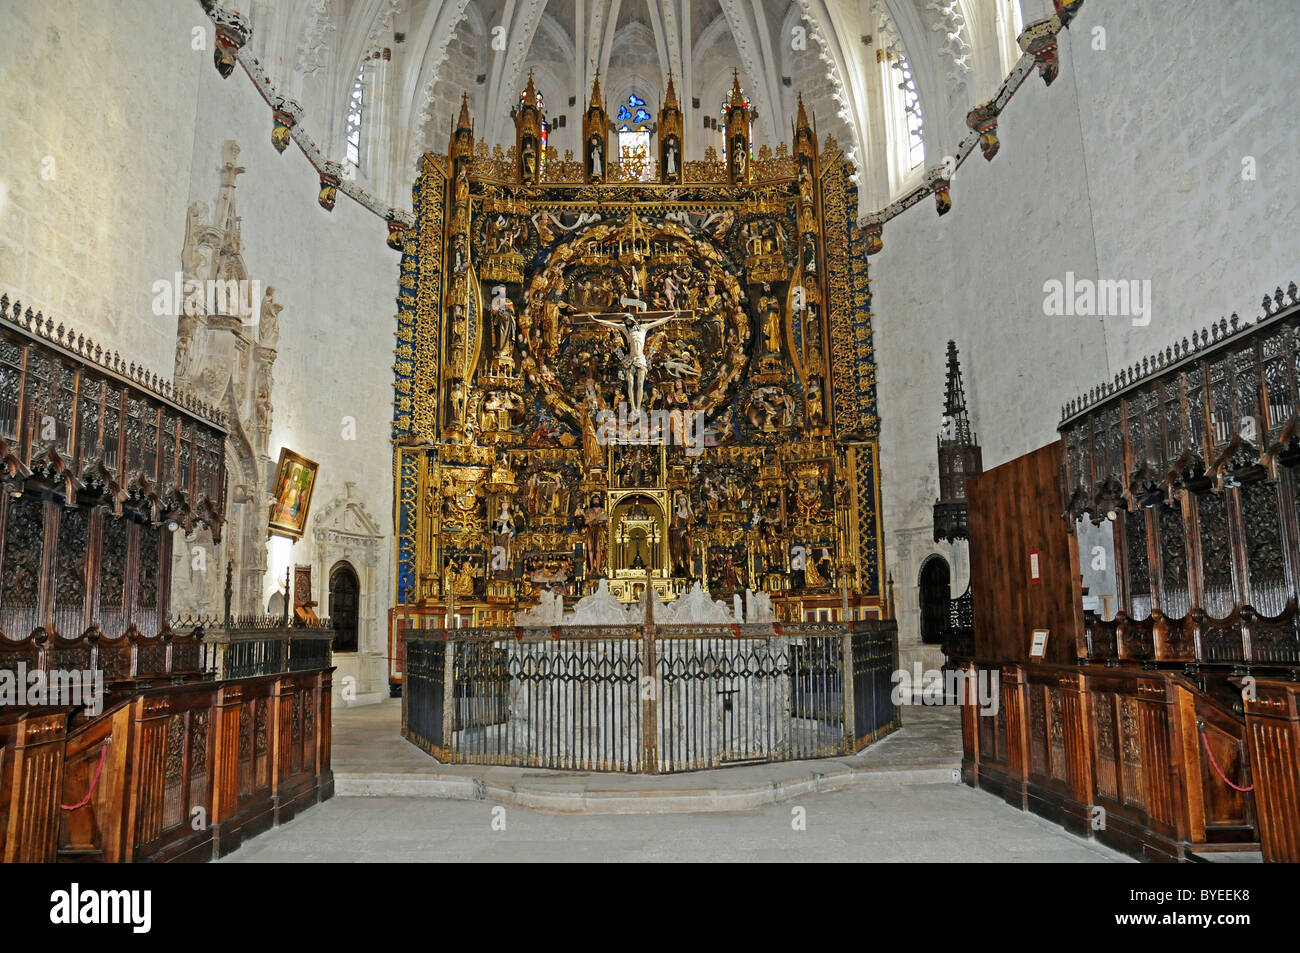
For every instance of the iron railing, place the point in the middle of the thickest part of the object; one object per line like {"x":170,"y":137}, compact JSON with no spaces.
{"x":263,"y":645}
{"x":645,"y":698}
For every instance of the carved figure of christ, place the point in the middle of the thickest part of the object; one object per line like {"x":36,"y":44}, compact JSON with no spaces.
{"x":634,"y":333}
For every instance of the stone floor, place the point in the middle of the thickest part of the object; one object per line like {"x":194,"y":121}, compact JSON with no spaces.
{"x":913,"y":822}
{"x":896,"y":801}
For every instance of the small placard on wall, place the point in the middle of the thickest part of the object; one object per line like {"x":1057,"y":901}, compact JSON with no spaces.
{"x":1035,"y":573}
{"x":1038,"y":645}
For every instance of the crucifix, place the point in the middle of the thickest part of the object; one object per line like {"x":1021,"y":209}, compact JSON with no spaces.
{"x":635,"y":323}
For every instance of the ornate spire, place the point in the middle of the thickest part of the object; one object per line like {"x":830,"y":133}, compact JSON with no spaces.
{"x":801,"y":118}
{"x":954,"y":404}
{"x":595,"y":94}
{"x":959,"y":457}
{"x":463,"y":121}
{"x":530,"y":92}
{"x":670,"y":97}
{"x":737,"y":95}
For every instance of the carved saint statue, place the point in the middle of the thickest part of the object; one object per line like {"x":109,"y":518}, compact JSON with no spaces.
{"x":670,"y":157}
{"x":593,"y":518}
{"x":679,"y":539}
{"x":597,"y":162}
{"x":503,"y":531}
{"x":503,"y":321}
{"x":770,"y":309}
{"x":270,"y":319}
{"x":592,"y":452}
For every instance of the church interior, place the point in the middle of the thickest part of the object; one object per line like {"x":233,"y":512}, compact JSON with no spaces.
{"x":614,"y":411}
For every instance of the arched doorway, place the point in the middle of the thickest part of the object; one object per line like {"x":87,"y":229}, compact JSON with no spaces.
{"x":935,"y":595}
{"x":345,"y":596}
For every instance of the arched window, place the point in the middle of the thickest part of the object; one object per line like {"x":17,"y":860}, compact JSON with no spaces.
{"x":345,"y":598}
{"x":904,"y":122}
{"x":1009,"y":23}
{"x":935,"y":594}
{"x":356,"y":114}
{"x":634,"y":124}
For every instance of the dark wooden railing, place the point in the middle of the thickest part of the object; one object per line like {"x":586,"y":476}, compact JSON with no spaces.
{"x":189,"y":649}
{"x":185,"y":772}
{"x":648,"y":698}
{"x":1146,"y":761}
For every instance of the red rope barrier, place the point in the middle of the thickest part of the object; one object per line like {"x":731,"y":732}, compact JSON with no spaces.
{"x":1217,"y":770}
{"x":103,"y":754}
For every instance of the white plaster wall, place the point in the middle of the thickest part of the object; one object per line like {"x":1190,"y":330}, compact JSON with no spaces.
{"x":97,"y":140}
{"x":1127,"y":167}
{"x":337,"y":281}
{"x":134,"y":119}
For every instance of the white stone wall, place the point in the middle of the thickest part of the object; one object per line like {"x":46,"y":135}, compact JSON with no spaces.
{"x":97,"y":121}
{"x":133,"y":120}
{"x":1127,"y":167}
{"x":337,"y":281}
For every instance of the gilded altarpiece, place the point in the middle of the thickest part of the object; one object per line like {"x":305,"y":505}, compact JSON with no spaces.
{"x":645,"y":382}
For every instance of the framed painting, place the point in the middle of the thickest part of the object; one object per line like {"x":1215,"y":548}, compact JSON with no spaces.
{"x":295,"y":478}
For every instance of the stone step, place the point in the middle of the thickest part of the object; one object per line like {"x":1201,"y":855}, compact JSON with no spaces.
{"x":584,"y":793}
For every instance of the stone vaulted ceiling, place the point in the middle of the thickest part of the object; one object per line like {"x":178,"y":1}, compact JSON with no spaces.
{"x":436,"y":49}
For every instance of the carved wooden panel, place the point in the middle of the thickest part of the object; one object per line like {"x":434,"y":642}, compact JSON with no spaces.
{"x":70,"y":564}
{"x":1130,"y":744}
{"x":1000,"y":726}
{"x":261,"y":746}
{"x":198,"y":755}
{"x":1217,"y":594}
{"x":173,"y":772}
{"x":146,"y":592}
{"x":1038,"y":760}
{"x":246,"y":747}
{"x":1175,"y":597}
{"x":988,"y":742}
{"x":112,"y":575}
{"x":1137,"y":564}
{"x":1261,"y":523}
{"x":1056,"y":734}
{"x":1103,"y":711}
{"x":20,"y":582}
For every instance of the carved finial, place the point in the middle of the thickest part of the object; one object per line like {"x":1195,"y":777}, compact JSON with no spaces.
{"x":670,"y":97}
{"x":737,"y":100}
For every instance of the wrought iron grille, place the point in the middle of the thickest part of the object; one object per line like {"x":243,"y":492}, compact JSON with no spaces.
{"x":646,"y":699}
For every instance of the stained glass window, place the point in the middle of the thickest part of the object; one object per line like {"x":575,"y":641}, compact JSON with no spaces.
{"x":634,"y":136}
